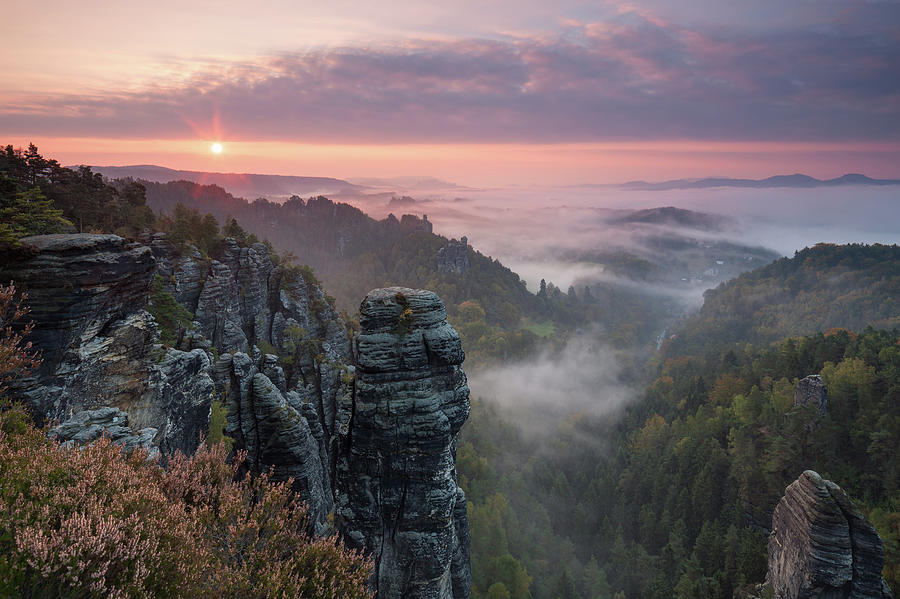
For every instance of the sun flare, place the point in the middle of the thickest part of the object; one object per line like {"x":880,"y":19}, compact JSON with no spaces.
{"x":216,"y":148}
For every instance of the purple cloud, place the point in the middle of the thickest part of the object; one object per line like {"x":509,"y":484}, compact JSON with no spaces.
{"x":635,"y":77}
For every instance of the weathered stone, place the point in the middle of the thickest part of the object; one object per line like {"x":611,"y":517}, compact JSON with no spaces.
{"x":77,"y":285}
{"x":396,"y":490}
{"x":277,"y":434}
{"x":821,"y":547}
{"x":89,"y":425}
{"x":219,"y":310}
{"x":811,"y":392}
{"x":182,"y":394}
{"x":183,"y":275}
{"x":454,"y":257}
{"x":87,"y":294}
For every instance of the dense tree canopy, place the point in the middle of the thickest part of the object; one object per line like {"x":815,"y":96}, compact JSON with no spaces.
{"x":38,"y":196}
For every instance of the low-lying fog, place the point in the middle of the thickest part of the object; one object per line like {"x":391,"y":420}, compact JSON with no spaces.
{"x":570,"y":236}
{"x":528,"y":229}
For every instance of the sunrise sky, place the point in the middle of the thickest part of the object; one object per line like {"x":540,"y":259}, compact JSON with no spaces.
{"x":478,"y":92}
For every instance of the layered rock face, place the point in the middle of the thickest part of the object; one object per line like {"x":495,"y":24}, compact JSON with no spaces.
{"x":821,"y":547}
{"x":280,"y":428}
{"x":454,"y":257}
{"x":87,"y":294}
{"x":396,"y":490}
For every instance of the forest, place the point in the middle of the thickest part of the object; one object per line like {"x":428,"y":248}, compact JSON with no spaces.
{"x":674,"y":499}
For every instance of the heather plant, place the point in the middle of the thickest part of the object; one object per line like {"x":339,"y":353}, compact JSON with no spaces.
{"x":93,"y":522}
{"x":16,"y":355}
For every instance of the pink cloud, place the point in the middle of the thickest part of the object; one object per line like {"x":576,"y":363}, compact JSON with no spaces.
{"x":633,"y":76}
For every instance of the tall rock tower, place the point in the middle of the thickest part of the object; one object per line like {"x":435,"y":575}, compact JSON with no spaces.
{"x":396,"y":491}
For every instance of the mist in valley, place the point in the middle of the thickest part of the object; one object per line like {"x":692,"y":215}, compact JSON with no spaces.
{"x":585,"y":237}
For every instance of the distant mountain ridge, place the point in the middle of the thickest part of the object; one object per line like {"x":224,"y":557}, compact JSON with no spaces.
{"x":239,"y":184}
{"x":796,"y":180}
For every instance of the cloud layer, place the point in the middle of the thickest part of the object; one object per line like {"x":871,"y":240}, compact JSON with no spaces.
{"x":634,"y":76}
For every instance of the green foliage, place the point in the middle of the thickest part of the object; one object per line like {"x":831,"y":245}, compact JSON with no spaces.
{"x":826,"y":286}
{"x":173,"y":318}
{"x":736,"y":454}
{"x":695,"y":469}
{"x":56,"y":197}
{"x":187,"y":227}
{"x":497,"y":591}
{"x":218,"y":414}
{"x":237,"y":232}
{"x":28,"y":213}
{"x":266,"y":347}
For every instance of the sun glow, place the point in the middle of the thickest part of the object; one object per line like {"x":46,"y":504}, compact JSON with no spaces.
{"x":216,"y":148}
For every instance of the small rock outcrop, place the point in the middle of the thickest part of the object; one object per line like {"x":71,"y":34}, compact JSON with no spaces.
{"x":396,"y":488}
{"x":811,"y":392}
{"x":89,"y":425}
{"x":411,"y":222}
{"x":454,"y":257}
{"x":821,"y":547}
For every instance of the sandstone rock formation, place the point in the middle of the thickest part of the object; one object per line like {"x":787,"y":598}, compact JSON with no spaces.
{"x":821,"y":547}
{"x":368,"y":436}
{"x":396,"y":493}
{"x":87,"y":294}
{"x":281,"y":411}
{"x":240,"y":299}
{"x":454,"y":257}
{"x":282,"y":429}
{"x":811,"y":391}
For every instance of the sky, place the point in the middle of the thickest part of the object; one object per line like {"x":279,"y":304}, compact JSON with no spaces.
{"x":489,"y":92}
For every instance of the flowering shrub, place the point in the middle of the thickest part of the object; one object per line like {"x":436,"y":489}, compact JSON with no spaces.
{"x":92,"y":522}
{"x":16,"y":355}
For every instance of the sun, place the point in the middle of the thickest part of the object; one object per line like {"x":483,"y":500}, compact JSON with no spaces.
{"x":216,"y":148}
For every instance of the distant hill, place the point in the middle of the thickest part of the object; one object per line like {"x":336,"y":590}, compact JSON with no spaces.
{"x":795,"y":180}
{"x":239,"y":184}
{"x":672,"y":216}
{"x":826,"y":286}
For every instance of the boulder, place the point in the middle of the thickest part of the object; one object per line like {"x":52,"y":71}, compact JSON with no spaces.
{"x":821,"y":547}
{"x":89,"y":425}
